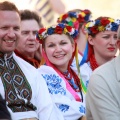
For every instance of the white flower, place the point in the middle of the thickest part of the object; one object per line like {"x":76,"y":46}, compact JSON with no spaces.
{"x":68,"y":19}
{"x":108,"y":27}
{"x":43,"y":33}
{"x":92,"y":23}
{"x":72,"y":32}
{"x":117,"y":21}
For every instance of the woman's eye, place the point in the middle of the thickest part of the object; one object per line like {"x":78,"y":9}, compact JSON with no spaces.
{"x":52,"y":45}
{"x":106,"y":37}
{"x":115,"y":37}
{"x":64,"y":43}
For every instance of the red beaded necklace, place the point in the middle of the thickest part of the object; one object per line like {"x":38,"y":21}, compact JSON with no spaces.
{"x":93,"y":63}
{"x":71,"y":74}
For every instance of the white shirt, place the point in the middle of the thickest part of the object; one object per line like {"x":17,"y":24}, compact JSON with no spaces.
{"x":46,"y":110}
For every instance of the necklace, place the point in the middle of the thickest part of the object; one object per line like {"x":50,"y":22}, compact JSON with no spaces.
{"x":67,"y":75}
{"x":71,"y":75}
{"x":93,"y":63}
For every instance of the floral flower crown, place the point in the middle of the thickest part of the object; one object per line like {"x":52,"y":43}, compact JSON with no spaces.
{"x":71,"y":18}
{"x":58,"y":29}
{"x":102,"y":24}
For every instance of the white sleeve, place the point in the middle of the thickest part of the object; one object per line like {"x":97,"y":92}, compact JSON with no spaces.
{"x":79,"y":60}
{"x":46,"y":109}
{"x":70,"y":108}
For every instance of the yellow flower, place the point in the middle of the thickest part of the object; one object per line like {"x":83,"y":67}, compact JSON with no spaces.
{"x":40,"y":36}
{"x":87,"y":25}
{"x":73,"y":19}
{"x":111,"y":20}
{"x":65,"y":30}
{"x":60,"y":18}
{"x":101,"y":28}
{"x":83,"y":14}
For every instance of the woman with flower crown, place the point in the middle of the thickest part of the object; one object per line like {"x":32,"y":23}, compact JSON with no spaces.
{"x":102,"y":46}
{"x":63,"y":83}
{"x":103,"y":95}
{"x":77,"y":19}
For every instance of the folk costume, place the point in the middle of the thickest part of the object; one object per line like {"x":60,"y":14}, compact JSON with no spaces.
{"x":24,"y":90}
{"x":64,"y":87}
{"x":76,"y":18}
{"x":94,"y":27}
{"x":33,"y":61}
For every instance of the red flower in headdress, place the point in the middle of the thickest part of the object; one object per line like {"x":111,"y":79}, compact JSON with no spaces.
{"x":94,"y":29}
{"x":87,"y":11}
{"x":105,"y":21}
{"x":64,"y":16}
{"x":59,"y":30}
{"x":69,"y":28}
{"x":41,"y":30}
{"x":80,"y":18}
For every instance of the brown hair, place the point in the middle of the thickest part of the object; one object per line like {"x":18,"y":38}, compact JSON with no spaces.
{"x":4,"y":6}
{"x":28,"y":15}
{"x":118,"y":33}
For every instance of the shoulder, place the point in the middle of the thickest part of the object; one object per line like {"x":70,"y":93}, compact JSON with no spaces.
{"x":106,"y":68}
{"x":46,"y":69}
{"x":103,"y":75}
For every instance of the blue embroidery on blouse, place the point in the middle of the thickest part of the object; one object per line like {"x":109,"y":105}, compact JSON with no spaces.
{"x":54,"y":84}
{"x":87,"y":82}
{"x":63,"y":107}
{"x":82,"y":109}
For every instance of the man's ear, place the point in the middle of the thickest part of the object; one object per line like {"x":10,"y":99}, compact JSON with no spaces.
{"x":90,"y":40}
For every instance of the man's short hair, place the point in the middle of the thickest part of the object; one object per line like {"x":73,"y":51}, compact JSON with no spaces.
{"x":30,"y":15}
{"x":8,"y":6}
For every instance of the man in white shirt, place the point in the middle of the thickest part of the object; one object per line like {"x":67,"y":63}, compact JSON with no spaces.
{"x":25,"y":92}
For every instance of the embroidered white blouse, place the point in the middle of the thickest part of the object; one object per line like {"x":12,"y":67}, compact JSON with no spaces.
{"x":62,"y":97}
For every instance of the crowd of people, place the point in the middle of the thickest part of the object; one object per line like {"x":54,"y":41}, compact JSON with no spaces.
{"x":67,"y":71}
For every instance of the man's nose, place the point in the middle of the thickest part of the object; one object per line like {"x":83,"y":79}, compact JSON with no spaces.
{"x":11,"y":33}
{"x":31,"y":36}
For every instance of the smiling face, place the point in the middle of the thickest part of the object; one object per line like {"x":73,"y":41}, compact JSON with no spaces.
{"x":104,"y":44}
{"x":9,"y":30}
{"x":27,"y":44}
{"x":59,"y":49}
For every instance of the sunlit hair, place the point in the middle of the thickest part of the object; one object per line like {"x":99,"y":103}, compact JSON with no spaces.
{"x":4,"y":6}
{"x":30,"y":15}
{"x":102,"y":24}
